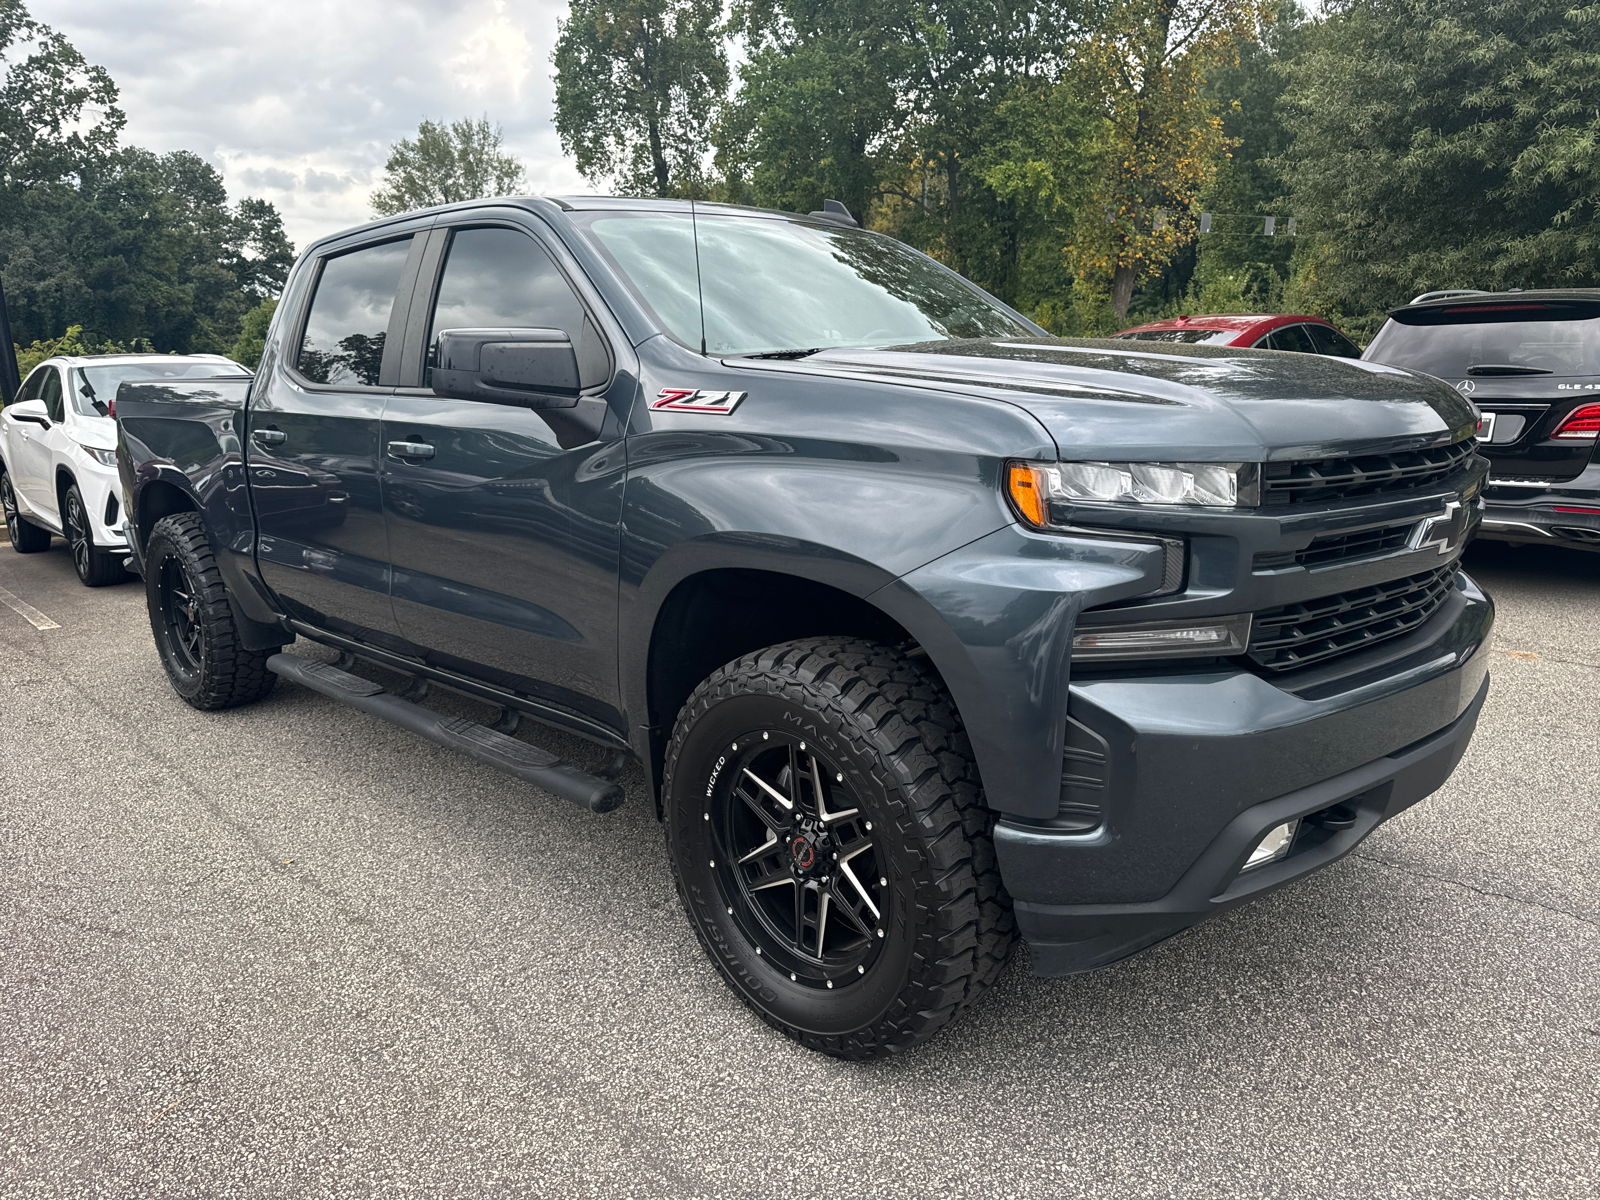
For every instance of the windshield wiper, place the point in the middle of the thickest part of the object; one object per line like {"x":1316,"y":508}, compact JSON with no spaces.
{"x":1505,"y":369}
{"x":87,"y":391}
{"x":788,"y":353}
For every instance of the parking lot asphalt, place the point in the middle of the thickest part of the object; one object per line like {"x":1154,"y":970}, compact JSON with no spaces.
{"x":289,"y":950}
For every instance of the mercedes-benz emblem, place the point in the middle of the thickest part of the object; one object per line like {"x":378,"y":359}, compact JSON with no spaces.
{"x":1466,"y":386}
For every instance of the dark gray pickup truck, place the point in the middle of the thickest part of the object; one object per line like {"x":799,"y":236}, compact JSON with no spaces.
{"x":927,"y":628}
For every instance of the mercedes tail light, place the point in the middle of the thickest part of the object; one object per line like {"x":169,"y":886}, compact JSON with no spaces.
{"x":1583,"y":425}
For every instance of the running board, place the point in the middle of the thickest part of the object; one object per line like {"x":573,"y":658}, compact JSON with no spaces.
{"x":528,"y":763}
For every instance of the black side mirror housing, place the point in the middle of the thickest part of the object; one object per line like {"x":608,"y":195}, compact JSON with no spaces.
{"x":531,"y":368}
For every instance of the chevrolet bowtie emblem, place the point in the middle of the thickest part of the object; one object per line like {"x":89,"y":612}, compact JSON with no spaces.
{"x":1446,"y":531}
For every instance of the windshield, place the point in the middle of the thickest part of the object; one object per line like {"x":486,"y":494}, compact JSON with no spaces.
{"x":1206,"y":337}
{"x":1533,"y":347}
{"x":776,"y":285}
{"x":102,"y":381}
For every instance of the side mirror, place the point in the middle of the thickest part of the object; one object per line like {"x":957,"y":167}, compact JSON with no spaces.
{"x":533,"y":368}
{"x":32,"y":411}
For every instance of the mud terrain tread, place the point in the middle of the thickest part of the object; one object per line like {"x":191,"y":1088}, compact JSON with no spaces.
{"x":905,"y":719}
{"x":230,"y":675}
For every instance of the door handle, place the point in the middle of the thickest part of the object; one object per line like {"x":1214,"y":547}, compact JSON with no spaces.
{"x":410,"y":450}
{"x":270,"y":437}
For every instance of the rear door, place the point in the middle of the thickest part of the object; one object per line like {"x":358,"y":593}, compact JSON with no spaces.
{"x":504,"y":522}
{"x":312,"y":446}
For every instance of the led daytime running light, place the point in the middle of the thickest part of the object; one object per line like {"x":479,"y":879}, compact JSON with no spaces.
{"x":1032,"y":486}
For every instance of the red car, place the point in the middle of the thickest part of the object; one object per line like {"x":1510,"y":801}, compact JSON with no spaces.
{"x":1308,"y":335}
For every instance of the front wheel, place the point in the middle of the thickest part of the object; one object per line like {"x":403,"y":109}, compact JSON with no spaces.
{"x":95,"y":567}
{"x":831,"y":845}
{"x":26,"y":538}
{"x":193,"y":623}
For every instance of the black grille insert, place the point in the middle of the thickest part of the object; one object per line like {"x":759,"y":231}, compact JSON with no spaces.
{"x":1297,"y":635}
{"x":1340,"y":548}
{"x":1320,"y":480}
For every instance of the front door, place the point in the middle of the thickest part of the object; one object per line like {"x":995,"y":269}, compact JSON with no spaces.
{"x":27,"y":447}
{"x":312,"y":445}
{"x":503,"y":521}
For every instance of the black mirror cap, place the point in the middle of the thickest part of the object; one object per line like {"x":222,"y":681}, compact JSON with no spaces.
{"x":531,"y":368}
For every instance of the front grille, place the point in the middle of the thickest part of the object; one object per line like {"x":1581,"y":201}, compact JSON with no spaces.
{"x":1320,"y":480}
{"x":1297,"y":635}
{"x":1340,"y":548}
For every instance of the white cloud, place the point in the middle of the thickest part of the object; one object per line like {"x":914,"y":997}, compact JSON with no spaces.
{"x":298,"y":101}
{"x":497,"y":57}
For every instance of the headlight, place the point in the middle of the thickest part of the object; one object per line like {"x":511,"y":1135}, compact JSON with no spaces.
{"x":106,"y":458}
{"x":1034,"y":486}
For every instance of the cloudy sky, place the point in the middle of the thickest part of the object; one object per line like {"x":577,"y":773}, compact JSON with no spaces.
{"x":298,"y":101}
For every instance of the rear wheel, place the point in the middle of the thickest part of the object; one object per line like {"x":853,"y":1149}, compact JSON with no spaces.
{"x":831,"y":845}
{"x":95,"y":567}
{"x":195,"y":632}
{"x":26,"y":538}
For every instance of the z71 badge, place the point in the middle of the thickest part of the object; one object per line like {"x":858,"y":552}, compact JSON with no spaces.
{"x":715,"y":404}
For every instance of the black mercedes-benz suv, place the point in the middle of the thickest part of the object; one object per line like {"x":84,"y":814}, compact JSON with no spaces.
{"x":1530,"y":362}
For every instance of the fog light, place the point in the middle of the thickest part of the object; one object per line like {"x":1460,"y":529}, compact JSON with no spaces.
{"x":1273,"y":846}
{"x":1208,"y":636}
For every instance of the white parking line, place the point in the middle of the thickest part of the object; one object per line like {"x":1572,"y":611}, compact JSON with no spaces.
{"x":26,"y":611}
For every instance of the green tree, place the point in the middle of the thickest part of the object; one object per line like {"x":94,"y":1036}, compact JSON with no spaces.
{"x":445,"y":164}
{"x":638,"y":83}
{"x":1144,"y":67}
{"x":1445,"y":143}
{"x":57,"y":112}
{"x":909,"y":112}
{"x":247,"y":348}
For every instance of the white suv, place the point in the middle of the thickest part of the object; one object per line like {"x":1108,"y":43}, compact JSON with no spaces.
{"x":58,"y":464}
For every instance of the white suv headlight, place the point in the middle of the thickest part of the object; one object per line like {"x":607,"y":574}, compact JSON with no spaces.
{"x":106,"y":458}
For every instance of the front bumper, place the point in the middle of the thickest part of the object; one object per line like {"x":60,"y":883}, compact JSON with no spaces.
{"x":1528,"y":511}
{"x":1223,"y":757}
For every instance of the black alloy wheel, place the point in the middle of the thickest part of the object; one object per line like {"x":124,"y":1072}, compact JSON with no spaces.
{"x":180,"y":634}
{"x":79,"y":536}
{"x":26,"y":538}
{"x":197,"y":635}
{"x":831,"y":846}
{"x":796,"y":849}
{"x":95,"y":567}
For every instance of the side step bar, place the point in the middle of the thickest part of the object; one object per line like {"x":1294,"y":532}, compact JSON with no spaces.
{"x":528,"y":763}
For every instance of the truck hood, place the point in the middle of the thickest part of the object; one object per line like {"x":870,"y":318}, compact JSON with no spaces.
{"x":1103,"y":399}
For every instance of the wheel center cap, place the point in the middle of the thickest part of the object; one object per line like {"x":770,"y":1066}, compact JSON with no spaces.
{"x":803,"y":853}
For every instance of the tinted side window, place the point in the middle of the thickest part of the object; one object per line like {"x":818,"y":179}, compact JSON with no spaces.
{"x":503,"y":279}
{"x":31,"y":385}
{"x":349,"y":318}
{"x":1331,"y":341}
{"x":50,"y":393}
{"x":1293,"y":337}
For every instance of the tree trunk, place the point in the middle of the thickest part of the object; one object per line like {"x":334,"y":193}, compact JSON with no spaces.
{"x":1122,"y":290}
{"x":663,"y":177}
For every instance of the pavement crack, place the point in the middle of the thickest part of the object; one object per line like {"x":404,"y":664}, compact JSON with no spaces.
{"x":1412,"y":871}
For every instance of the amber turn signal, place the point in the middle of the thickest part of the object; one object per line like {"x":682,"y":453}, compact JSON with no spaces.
{"x":1026,"y":486}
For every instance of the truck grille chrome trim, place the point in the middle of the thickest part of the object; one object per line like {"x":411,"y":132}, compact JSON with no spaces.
{"x":1322,"y":480}
{"x":1297,"y":635}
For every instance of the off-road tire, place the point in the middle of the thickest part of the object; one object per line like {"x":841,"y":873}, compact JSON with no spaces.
{"x":216,"y":672}
{"x":95,"y":567}
{"x":887,"y":726}
{"x":26,"y":537}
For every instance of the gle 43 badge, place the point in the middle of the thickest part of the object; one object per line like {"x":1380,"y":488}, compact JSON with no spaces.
{"x":715,"y":404}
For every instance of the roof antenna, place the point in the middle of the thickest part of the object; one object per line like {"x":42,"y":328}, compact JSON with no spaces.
{"x":694,"y":224}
